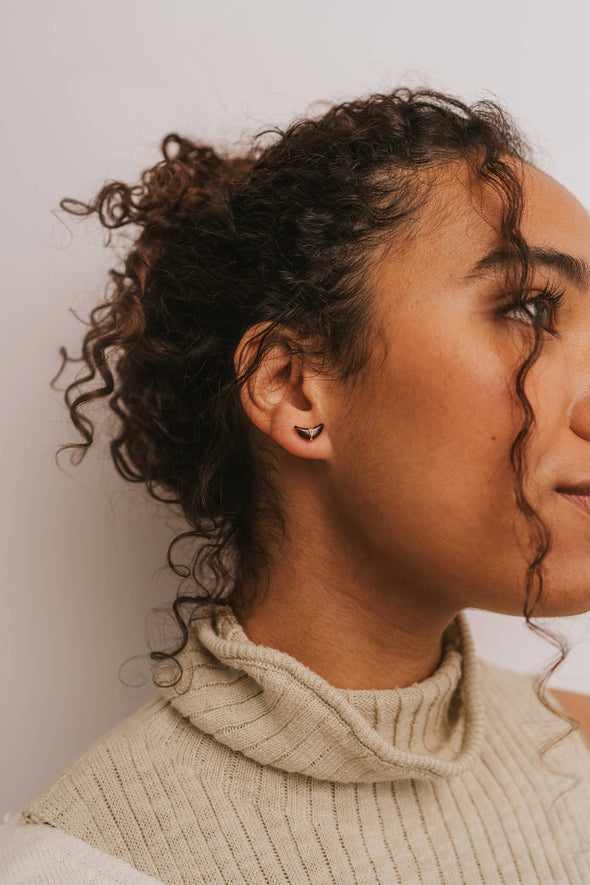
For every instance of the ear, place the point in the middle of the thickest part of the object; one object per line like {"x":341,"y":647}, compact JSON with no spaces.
{"x":284,"y":392}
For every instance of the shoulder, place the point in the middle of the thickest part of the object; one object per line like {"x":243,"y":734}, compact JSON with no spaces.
{"x":578,"y":706}
{"x":514,"y":692}
{"x":123,"y":764}
{"x":34,"y":853}
{"x":572,"y":701}
{"x":131,"y":782}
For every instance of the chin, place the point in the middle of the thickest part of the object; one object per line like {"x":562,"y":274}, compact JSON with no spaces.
{"x":564,"y":603}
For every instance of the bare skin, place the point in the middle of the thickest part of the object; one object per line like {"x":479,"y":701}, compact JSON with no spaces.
{"x":578,"y":706}
{"x":402,"y":512}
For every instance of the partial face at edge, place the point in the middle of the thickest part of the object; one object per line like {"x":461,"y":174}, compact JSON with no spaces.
{"x":421,"y":472}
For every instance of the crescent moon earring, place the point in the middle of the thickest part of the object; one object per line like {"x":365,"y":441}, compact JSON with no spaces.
{"x":309,"y":433}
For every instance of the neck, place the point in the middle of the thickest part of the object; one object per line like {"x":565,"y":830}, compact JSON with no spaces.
{"x":344,"y":616}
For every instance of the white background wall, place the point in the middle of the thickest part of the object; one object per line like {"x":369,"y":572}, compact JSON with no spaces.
{"x":88,"y":90}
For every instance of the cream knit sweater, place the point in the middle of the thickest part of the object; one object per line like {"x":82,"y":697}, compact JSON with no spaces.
{"x":256,"y":770}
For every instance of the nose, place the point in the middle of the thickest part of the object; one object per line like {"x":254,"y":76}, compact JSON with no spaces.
{"x":579,"y":417}
{"x":579,"y":410}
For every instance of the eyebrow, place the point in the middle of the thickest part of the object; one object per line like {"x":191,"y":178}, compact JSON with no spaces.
{"x":576,"y":270}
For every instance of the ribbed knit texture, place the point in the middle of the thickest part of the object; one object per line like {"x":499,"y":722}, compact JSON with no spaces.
{"x":254,"y":770}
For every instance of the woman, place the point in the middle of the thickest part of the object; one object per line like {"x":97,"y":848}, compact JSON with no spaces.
{"x":358,"y":360}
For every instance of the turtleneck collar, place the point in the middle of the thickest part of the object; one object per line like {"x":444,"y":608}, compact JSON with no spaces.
{"x":275,"y":710}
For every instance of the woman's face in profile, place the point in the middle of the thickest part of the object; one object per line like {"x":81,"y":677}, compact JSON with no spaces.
{"x":421,"y":468}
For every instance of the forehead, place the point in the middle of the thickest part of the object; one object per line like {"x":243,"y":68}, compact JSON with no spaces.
{"x":551,"y":212}
{"x":461,"y":220}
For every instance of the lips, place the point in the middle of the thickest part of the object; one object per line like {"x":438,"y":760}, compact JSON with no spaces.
{"x":579,"y":495}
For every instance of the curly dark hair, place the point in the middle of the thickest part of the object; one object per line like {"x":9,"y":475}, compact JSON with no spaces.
{"x":282,"y":236}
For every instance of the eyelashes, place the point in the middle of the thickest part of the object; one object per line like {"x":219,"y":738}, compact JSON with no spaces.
{"x":550,"y":299}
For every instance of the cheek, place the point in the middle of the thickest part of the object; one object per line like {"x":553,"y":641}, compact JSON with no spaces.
{"x":431,"y":479}
{"x":447,"y":418}
{"x":555,"y":454}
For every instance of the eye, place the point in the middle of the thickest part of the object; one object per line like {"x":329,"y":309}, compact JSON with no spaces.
{"x":540,"y":310}
{"x":533,"y":311}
